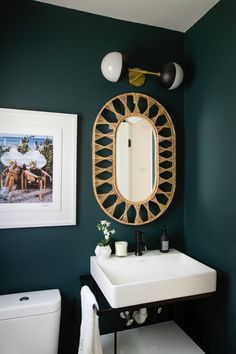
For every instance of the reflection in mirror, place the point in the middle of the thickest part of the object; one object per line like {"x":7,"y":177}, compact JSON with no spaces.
{"x":135,"y":158}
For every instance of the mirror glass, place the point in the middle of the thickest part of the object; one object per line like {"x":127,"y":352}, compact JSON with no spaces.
{"x":135,"y":158}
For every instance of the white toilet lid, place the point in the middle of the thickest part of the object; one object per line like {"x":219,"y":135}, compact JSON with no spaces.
{"x":29,"y":303}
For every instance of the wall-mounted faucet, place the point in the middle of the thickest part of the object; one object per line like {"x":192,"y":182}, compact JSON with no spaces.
{"x":138,"y":243}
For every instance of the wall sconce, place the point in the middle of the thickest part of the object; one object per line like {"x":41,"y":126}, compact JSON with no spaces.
{"x":114,"y":68}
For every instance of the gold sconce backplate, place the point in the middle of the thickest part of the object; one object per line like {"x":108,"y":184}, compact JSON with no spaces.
{"x":136,"y":78}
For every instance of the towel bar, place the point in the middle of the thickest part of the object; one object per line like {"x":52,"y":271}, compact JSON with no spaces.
{"x":95,"y":309}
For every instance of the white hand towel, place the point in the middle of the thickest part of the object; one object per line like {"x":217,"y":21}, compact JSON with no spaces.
{"x":90,"y":342}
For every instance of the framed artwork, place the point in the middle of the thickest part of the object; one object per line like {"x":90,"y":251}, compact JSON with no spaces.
{"x":37,"y":168}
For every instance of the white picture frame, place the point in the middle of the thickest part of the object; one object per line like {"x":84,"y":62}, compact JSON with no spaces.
{"x":60,"y":209}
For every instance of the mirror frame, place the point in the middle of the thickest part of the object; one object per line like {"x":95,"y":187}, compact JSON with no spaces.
{"x":165,"y":164}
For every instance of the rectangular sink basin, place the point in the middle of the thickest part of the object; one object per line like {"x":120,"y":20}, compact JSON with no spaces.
{"x":154,"y":276}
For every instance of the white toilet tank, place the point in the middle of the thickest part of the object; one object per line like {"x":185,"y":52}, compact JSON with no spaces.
{"x":29,"y":322}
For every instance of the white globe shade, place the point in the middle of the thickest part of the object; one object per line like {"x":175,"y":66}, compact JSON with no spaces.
{"x":111,"y":66}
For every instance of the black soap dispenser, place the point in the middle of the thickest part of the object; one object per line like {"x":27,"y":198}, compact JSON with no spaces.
{"x":164,"y":242}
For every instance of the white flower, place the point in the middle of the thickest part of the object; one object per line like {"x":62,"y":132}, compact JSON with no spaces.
{"x":104,"y":226}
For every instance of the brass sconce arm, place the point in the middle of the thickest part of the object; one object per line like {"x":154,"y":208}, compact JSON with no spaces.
{"x":137,"y":76}
{"x":145,"y":72}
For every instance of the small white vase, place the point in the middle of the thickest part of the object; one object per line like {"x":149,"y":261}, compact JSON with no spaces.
{"x":102,"y":252}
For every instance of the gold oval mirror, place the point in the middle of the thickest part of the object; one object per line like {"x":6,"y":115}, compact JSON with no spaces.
{"x":134,"y":159}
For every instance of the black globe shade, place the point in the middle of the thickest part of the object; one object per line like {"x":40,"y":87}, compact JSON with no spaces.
{"x":171,"y":76}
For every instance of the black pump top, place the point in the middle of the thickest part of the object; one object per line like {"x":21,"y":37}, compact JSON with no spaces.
{"x":164,"y":230}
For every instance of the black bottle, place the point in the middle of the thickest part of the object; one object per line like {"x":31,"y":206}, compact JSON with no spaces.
{"x":164,"y":242}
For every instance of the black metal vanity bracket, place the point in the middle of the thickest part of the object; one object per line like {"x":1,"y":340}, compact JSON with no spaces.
{"x":105,"y":307}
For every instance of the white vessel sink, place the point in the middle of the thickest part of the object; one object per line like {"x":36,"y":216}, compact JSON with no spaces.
{"x":154,"y":276}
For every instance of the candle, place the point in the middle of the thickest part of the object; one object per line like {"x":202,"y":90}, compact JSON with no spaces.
{"x":121,"y":248}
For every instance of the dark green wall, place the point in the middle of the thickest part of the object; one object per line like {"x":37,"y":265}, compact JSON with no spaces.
{"x":50,"y":61}
{"x":210,"y":170}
